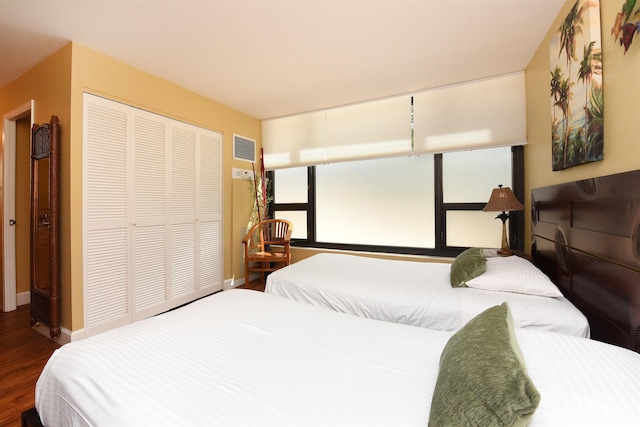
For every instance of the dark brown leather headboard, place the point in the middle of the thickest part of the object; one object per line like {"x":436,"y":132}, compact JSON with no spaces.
{"x":586,"y":238}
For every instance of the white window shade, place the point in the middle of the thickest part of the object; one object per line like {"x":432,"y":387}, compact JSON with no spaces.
{"x":373,"y":129}
{"x":297,"y":140}
{"x":482,"y":113}
{"x":380,"y":128}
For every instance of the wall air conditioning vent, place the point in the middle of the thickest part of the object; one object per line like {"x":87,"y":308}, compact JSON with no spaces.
{"x":244,"y":148}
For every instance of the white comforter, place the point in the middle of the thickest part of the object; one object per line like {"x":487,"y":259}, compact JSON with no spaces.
{"x":247,"y":358}
{"x":414,"y":293}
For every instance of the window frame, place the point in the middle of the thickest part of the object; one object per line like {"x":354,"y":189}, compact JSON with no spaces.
{"x":515,"y":228}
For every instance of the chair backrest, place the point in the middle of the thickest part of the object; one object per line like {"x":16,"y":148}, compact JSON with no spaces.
{"x":268,"y":232}
{"x":275,"y":231}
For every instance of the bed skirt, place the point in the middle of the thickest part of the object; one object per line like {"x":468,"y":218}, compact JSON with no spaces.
{"x":30,"y":418}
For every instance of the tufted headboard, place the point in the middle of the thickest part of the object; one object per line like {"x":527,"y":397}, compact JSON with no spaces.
{"x":586,"y":238}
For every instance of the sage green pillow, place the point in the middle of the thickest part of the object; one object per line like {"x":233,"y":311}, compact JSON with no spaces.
{"x":482,"y":379}
{"x":468,"y":265}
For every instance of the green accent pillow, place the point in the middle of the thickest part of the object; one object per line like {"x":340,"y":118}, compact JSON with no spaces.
{"x":482,"y":379}
{"x":468,"y":265}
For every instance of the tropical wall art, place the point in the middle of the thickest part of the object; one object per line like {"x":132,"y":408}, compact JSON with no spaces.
{"x":576,"y":88}
{"x":627,"y":24}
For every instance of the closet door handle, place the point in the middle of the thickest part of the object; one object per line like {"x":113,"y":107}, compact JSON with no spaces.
{"x":12,"y":222}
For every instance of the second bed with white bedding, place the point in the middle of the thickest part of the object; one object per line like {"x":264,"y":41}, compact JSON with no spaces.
{"x":246,"y":358}
{"x":413,"y":293}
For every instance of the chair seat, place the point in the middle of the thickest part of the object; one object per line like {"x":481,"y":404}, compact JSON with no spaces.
{"x":266,"y":255}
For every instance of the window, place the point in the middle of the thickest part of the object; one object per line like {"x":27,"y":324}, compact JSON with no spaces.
{"x":292,"y":196}
{"x":428,"y":204}
{"x":386,"y":202}
{"x":467,"y":180}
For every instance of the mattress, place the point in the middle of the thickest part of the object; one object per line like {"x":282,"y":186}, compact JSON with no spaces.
{"x":242,"y":358}
{"x":413,"y":293}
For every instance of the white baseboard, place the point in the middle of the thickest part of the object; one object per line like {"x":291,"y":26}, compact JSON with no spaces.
{"x":65,"y":336}
{"x":74,"y":336}
{"x":23,"y":298}
{"x":234,"y":283}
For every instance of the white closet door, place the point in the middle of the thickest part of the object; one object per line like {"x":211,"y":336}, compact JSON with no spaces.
{"x":149,"y":273}
{"x":106,"y":277}
{"x":152,"y":213}
{"x":183,"y":261}
{"x":183,"y":211}
{"x":210,"y":211}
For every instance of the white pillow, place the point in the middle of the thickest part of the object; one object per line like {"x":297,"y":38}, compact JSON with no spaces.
{"x":514,"y":274}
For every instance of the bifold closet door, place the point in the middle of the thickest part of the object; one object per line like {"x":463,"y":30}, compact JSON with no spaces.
{"x":152,"y":213}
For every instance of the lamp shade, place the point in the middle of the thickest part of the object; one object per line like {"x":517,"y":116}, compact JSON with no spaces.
{"x":502,"y":200}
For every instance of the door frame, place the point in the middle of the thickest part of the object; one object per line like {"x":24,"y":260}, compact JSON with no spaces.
{"x":9,"y":302}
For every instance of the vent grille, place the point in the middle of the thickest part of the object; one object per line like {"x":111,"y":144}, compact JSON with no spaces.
{"x":244,"y":148}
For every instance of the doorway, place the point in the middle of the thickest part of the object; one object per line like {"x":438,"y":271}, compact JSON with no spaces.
{"x":15,"y":224}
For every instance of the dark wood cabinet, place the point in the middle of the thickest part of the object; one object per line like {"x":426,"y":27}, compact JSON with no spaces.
{"x":44,"y":265}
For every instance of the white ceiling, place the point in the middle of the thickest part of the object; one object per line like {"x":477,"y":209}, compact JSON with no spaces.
{"x":269,"y":58}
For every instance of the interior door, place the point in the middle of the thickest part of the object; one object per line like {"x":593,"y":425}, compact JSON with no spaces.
{"x":44,"y":268}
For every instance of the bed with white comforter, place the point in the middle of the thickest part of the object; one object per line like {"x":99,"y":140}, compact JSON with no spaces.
{"x":413,"y":293}
{"x":240,"y":358}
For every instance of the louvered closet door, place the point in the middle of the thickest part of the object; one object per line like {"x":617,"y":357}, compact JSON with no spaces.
{"x":196,"y":217}
{"x":149,"y":228}
{"x":183,"y":212}
{"x":209,"y":208}
{"x":152,"y":213}
{"x":106,"y":224}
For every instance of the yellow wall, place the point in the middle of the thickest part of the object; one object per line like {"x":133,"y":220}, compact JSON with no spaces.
{"x":242,"y":204}
{"x":23,"y":204}
{"x":621,"y":88}
{"x":48,"y":84}
{"x":57,"y":85}
{"x":101,"y":75}
{"x":298,"y":254}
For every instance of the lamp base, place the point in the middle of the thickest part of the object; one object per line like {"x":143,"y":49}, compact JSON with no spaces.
{"x":505,"y":252}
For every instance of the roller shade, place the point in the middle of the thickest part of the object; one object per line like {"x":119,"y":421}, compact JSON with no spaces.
{"x":479,"y":114}
{"x":380,"y":128}
{"x":297,"y":140}
{"x":372,"y":129}
{"x":482,"y":113}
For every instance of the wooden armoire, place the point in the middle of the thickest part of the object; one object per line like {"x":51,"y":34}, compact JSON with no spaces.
{"x":44,"y":265}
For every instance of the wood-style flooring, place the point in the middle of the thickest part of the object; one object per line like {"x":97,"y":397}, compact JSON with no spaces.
{"x":23,"y":354}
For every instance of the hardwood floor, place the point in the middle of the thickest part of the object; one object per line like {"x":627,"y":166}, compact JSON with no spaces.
{"x":255,"y":285}
{"x":23,"y":354}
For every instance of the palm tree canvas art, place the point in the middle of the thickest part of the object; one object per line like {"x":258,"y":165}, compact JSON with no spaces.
{"x":576,"y":88}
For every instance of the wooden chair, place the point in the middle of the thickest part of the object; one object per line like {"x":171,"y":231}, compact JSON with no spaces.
{"x":267,"y":247}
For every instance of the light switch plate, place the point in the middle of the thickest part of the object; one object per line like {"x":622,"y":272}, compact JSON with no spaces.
{"x":237,"y":173}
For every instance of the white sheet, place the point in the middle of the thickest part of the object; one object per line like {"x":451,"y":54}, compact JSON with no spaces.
{"x":245,"y":358}
{"x":581,"y":382}
{"x":414,"y":293}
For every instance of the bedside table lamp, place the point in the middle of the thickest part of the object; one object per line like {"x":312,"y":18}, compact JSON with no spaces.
{"x":503,"y":200}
